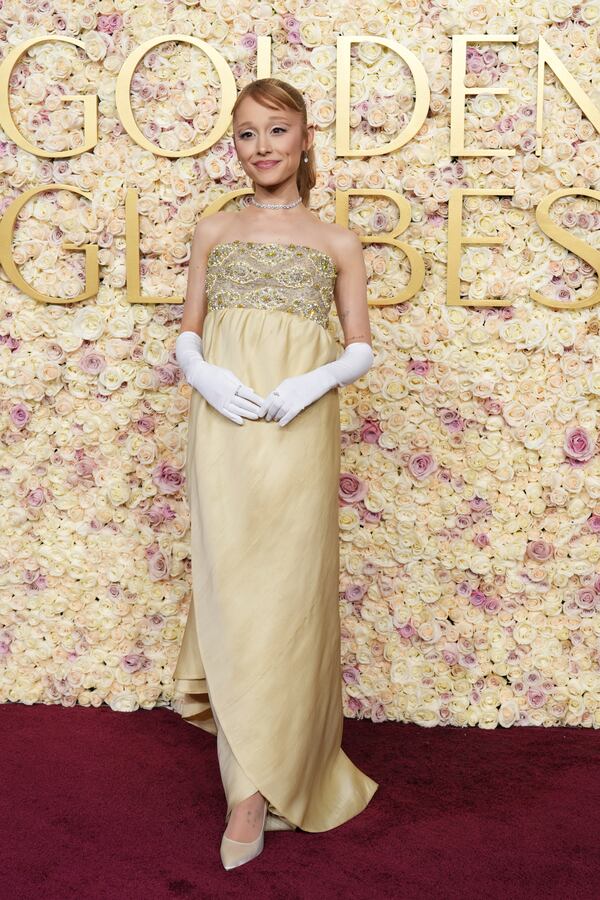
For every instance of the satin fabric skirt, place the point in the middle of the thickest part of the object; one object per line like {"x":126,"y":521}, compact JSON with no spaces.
{"x":259,"y":665}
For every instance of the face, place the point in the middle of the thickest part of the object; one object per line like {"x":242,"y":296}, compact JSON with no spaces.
{"x":269,"y":135}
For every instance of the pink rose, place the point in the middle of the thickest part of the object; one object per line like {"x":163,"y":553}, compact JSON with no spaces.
{"x":492,"y":407}
{"x":369,"y":517}
{"x":451,"y":419}
{"x":92,"y":362}
{"x":419,"y":366}
{"x":467,"y":660}
{"x":505,"y":124}
{"x":492,"y":604}
{"x":450,"y":655}
{"x":158,"y":566}
{"x":539,"y":550}
{"x":36,"y":497}
{"x":167,"y":478}
{"x":145,"y":424}
{"x":20,"y":415}
{"x":350,"y":675}
{"x":586,"y":598}
{"x":378,"y":712}
{"x":536,"y":697}
{"x":354,"y":593}
{"x":352,"y":489}
{"x":370,"y":432}
{"x":421,"y":465}
{"x":477,"y":597}
{"x":577,"y":445}
{"x":109,"y":24}
{"x":354,"y":704}
{"x":167,"y":375}
{"x":407,"y":631}
{"x":133,"y":662}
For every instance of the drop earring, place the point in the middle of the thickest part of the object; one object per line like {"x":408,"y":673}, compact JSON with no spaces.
{"x":305,"y":158}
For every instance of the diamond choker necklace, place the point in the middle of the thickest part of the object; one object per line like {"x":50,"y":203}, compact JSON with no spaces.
{"x":277,"y":205}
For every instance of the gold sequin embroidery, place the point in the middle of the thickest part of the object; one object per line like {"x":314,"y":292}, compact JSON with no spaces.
{"x":291,"y":277}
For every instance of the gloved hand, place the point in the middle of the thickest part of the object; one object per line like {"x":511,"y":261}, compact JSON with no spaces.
{"x":219,"y":386}
{"x":299,"y":391}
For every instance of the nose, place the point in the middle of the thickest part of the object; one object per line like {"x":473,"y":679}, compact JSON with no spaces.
{"x":263,"y":145}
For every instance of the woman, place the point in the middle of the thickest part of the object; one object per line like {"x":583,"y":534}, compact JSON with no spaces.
{"x":259,"y":664}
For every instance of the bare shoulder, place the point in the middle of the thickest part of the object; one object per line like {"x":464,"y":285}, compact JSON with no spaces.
{"x":211,"y":229}
{"x":345,"y":244}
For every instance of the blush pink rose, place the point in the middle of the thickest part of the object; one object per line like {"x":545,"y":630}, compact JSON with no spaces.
{"x":145,"y":424}
{"x":92,"y":363}
{"x":536,"y":697}
{"x":352,"y":489}
{"x":158,"y":566}
{"x":167,"y":478}
{"x":20,"y":415}
{"x":109,"y":24}
{"x":586,"y":598}
{"x":419,"y":366}
{"x":421,"y":465}
{"x":36,"y":497}
{"x":477,"y":597}
{"x":450,"y":654}
{"x":350,"y":674}
{"x":167,"y":375}
{"x":133,"y":662}
{"x":492,"y":604}
{"x":355,"y":705}
{"x":407,"y":631}
{"x":354,"y":593}
{"x":578,"y":445}
{"x":369,"y":517}
{"x":540,"y":551}
{"x":370,"y":432}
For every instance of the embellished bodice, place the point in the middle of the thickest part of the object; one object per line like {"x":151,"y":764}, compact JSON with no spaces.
{"x":291,"y":277}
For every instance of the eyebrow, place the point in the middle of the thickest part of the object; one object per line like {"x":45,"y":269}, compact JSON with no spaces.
{"x":279,"y":116}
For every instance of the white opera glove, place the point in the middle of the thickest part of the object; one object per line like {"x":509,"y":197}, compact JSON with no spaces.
{"x":220,"y":387}
{"x":299,"y":391}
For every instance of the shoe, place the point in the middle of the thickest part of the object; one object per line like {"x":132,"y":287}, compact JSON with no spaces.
{"x":236,"y":853}
{"x":276,"y":823}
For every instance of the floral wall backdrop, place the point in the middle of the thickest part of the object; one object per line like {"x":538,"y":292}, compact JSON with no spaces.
{"x":470,"y":493}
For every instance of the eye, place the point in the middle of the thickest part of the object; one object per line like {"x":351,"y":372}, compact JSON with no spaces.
{"x":279,"y":127}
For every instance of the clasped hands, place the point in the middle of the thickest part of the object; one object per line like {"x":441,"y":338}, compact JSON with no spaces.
{"x":228,"y":395}
{"x":237,"y":401}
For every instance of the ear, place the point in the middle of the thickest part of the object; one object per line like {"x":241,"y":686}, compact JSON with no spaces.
{"x":310,"y":138}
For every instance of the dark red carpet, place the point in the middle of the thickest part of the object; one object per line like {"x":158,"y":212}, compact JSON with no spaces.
{"x":100,"y":804}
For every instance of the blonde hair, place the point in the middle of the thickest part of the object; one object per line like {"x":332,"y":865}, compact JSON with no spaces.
{"x":278,"y":93}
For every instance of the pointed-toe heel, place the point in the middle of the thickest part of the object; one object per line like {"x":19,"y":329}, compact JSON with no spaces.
{"x":236,"y":853}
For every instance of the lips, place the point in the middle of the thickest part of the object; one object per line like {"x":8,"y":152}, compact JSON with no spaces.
{"x":266,"y":164}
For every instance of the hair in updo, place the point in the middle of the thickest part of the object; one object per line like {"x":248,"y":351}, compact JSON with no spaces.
{"x":275,"y":93}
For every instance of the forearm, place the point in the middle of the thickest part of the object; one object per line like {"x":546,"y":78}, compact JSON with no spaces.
{"x":188,"y":352}
{"x":355,"y":361}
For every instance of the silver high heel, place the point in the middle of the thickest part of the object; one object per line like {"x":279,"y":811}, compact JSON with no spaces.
{"x":236,"y":853}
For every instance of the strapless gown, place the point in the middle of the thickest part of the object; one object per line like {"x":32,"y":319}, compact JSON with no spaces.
{"x":260,"y":665}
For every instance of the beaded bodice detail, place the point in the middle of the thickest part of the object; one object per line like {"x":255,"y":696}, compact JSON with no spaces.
{"x":289,"y":277}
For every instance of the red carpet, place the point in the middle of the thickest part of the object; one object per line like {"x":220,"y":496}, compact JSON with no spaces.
{"x":99,"y":804}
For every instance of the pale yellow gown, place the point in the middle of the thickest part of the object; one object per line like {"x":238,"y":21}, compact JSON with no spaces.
{"x":259,"y":664}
